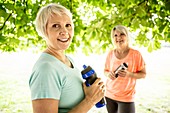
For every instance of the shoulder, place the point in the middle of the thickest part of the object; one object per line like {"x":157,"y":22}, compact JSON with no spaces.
{"x":134,"y":51}
{"x":47,"y":69}
{"x":111,"y":52}
{"x":45,"y":63}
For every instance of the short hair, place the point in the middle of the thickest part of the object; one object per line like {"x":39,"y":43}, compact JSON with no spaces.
{"x":121,"y":29}
{"x":45,"y":13}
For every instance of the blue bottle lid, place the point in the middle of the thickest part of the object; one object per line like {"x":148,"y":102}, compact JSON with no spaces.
{"x":99,"y":105}
{"x":84,"y":66}
{"x":88,"y":74}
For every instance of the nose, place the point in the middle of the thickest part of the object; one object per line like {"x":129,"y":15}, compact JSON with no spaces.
{"x":119,"y":36}
{"x":63,"y":31}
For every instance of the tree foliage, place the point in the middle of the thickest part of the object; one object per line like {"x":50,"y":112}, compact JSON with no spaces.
{"x":93,"y":21}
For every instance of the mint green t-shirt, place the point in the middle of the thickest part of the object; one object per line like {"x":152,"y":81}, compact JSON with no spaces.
{"x":51,"y":78}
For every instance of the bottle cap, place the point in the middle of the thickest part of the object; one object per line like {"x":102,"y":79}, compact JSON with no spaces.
{"x":125,"y":64}
{"x":87,"y":72}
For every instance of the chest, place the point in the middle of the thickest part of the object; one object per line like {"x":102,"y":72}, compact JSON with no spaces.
{"x":120,"y":55}
{"x":72,"y":92}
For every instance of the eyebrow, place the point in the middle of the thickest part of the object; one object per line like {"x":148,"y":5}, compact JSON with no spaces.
{"x":120,"y":34}
{"x":57,"y":22}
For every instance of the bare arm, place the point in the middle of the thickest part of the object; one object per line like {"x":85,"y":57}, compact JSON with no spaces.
{"x":51,"y":106}
{"x":93,"y":94}
{"x":45,"y":106}
{"x":138,"y":75}
{"x":123,"y":73}
{"x":110,"y":75}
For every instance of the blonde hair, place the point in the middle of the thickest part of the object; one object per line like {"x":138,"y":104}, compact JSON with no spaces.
{"x":45,"y":13}
{"x":121,"y":29}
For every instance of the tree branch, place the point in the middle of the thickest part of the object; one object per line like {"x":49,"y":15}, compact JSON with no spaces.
{"x":5,"y":21}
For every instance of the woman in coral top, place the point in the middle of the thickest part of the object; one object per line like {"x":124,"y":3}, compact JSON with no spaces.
{"x":120,"y":85}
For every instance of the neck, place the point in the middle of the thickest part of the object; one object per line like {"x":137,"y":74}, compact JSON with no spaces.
{"x":122,"y":51}
{"x":58,"y":54}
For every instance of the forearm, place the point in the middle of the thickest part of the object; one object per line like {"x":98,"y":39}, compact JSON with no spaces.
{"x":138,"y":75}
{"x":106,"y":73}
{"x":110,"y":75}
{"x":83,"y":107}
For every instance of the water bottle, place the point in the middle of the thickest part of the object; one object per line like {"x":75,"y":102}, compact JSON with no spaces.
{"x":90,"y":76}
{"x":121,"y":67}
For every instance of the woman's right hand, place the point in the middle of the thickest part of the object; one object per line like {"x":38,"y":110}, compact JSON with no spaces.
{"x":95,"y":92}
{"x":110,"y":75}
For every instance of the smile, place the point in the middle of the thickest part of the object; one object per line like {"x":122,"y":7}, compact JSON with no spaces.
{"x":121,"y":41}
{"x":63,"y":40}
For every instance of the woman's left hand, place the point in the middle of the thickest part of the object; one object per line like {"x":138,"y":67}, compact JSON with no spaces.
{"x":123,"y":73}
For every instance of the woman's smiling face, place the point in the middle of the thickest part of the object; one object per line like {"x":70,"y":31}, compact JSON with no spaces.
{"x":120,"y":39}
{"x":60,"y":31}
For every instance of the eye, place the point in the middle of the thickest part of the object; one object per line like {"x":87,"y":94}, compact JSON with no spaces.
{"x":122,"y":34}
{"x":68,"y":25}
{"x":115,"y":35}
{"x":56,"y":25}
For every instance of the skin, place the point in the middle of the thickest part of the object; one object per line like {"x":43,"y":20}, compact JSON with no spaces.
{"x":60,"y":31}
{"x":122,"y":49}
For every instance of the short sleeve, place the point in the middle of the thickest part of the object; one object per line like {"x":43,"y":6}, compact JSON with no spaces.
{"x":140,"y":62}
{"x":45,"y":82}
{"x":108,"y":65}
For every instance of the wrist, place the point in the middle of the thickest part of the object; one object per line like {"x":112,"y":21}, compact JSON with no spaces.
{"x":132,"y":74}
{"x":111,"y":75}
{"x":90,"y":101}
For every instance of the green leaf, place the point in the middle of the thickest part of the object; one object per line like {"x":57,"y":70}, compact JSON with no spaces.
{"x":150,"y":48}
{"x":9,"y":6}
{"x":3,"y":13}
{"x":136,"y":14}
{"x":2,"y":39}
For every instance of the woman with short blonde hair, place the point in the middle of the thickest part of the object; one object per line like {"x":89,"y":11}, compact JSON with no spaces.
{"x":123,"y":66}
{"x":56,"y":83}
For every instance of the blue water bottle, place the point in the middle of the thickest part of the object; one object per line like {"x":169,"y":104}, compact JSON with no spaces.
{"x":90,"y":76}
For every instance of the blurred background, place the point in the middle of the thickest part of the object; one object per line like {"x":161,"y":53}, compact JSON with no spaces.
{"x":153,"y":92}
{"x":147,"y":20}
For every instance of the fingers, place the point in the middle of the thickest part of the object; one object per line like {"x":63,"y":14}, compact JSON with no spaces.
{"x":97,"y":81}
{"x":112,"y":77}
{"x":97,"y":85}
{"x":122,"y":73}
{"x":95,"y":92}
{"x":101,"y":85}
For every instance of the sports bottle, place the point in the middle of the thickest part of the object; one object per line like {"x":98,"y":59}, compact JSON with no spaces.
{"x":90,"y":76}
{"x":121,"y":67}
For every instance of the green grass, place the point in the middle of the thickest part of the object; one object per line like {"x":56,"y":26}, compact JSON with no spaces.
{"x":14,"y":96}
{"x":152,"y":96}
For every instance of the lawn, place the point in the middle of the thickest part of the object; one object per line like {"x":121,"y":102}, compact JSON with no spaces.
{"x":153,"y":92}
